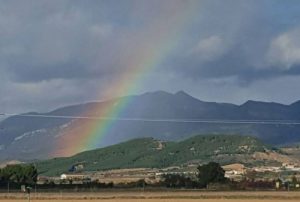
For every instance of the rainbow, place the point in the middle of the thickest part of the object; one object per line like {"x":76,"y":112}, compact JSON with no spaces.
{"x":154,"y":44}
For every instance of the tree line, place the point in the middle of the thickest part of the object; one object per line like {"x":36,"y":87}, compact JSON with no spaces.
{"x":207,"y":174}
{"x":26,"y":174}
{"x":21,"y":174}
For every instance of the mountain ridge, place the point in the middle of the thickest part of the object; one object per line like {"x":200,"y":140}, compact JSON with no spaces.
{"x":20,"y":136}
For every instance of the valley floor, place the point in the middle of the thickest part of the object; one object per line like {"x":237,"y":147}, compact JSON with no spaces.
{"x":157,"y":196}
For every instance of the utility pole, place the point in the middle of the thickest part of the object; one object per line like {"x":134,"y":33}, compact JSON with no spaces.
{"x":28,"y":189}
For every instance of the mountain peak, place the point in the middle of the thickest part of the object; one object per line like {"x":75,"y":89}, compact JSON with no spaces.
{"x":250,"y":102}
{"x":157,"y":93}
{"x":164,"y":93}
{"x":254,"y":103}
{"x":296,"y":103}
{"x":182,"y":93}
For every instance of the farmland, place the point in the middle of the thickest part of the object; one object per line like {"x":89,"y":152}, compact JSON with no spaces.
{"x":160,"y":196}
{"x":161,"y":200}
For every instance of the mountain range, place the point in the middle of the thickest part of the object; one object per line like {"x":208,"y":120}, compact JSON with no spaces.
{"x":28,"y":138}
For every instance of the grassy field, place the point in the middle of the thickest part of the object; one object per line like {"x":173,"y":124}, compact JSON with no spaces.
{"x":167,"y":196}
{"x":158,"y":200}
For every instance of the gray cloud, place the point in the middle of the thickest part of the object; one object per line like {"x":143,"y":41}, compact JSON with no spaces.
{"x":47,"y":41}
{"x":54,"y":53}
{"x":248,"y":40}
{"x":284,"y":50}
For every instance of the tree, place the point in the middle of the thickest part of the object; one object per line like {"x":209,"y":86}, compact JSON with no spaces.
{"x":294,"y":180}
{"x":178,"y":181}
{"x":210,"y":173}
{"x":173,"y":180}
{"x":19,"y":174}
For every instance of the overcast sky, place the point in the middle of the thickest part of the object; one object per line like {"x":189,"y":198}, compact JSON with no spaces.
{"x":58,"y":52}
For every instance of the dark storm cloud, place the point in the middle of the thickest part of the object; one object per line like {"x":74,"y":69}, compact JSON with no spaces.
{"x":44,"y":40}
{"x":245,"y":39}
{"x":56,"y":52}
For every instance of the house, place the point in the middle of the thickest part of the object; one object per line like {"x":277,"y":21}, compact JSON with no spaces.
{"x":234,"y":171}
{"x":77,"y":178}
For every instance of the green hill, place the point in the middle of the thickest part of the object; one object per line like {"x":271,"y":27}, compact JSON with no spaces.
{"x":148,"y":152}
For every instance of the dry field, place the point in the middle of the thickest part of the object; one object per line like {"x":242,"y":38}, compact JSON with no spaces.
{"x":147,"y":196}
{"x":156,"y":200}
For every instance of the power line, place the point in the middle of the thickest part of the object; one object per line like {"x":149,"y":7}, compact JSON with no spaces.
{"x":213,"y":121}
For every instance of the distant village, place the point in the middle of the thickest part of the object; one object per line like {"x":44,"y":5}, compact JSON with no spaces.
{"x":277,"y":177}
